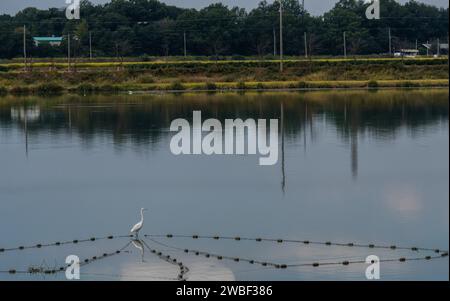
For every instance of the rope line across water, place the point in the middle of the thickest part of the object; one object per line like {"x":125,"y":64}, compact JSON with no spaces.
{"x":62,"y":243}
{"x":55,"y":270}
{"x":183,"y":270}
{"x":304,"y":242}
{"x":285,"y":266}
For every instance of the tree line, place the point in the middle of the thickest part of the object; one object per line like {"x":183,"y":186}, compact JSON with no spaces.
{"x":151,"y":28}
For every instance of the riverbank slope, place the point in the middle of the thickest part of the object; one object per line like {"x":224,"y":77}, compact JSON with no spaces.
{"x":86,"y":77}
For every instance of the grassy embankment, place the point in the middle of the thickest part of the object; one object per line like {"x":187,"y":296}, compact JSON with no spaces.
{"x":91,"y":77}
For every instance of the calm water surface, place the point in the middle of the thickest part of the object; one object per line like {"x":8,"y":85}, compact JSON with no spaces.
{"x":366,"y":167}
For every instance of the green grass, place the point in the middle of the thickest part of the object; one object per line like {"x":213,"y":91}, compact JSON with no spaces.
{"x":194,"y":75}
{"x":241,"y":63}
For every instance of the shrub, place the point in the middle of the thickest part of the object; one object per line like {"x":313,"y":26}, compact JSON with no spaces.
{"x":177,"y":86}
{"x":238,"y":58}
{"x":407,"y":84}
{"x":49,"y":88}
{"x":373,"y":84}
{"x":109,"y":88}
{"x":3,"y":91}
{"x":211,"y":86}
{"x":270,"y":57}
{"x":241,"y":86}
{"x":229,"y":78}
{"x":145,"y":58}
{"x":19,"y":90}
{"x":260,"y":86}
{"x":146,"y":79}
{"x":86,"y":88}
{"x":302,"y":85}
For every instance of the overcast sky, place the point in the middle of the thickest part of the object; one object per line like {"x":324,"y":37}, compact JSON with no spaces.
{"x":316,"y":7}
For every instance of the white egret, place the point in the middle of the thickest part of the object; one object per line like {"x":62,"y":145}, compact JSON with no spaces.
{"x":136,"y":228}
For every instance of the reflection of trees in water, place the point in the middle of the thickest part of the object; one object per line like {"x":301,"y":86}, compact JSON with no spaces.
{"x":144,"y":120}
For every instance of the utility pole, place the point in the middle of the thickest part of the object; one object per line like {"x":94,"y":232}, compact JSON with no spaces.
{"x":274,"y":42}
{"x":68,"y":52}
{"x":390,"y":42}
{"x":281,"y":36}
{"x":90,"y":45}
{"x":184,"y":43}
{"x":25,"y":48}
{"x":417,"y":44}
{"x":428,"y":52}
{"x":345,"y":45}
{"x":306,"y":46}
{"x":303,"y":12}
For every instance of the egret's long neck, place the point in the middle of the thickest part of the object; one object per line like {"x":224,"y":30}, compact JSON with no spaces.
{"x":142,"y":216}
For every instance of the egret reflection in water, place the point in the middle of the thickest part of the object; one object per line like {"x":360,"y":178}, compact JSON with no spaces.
{"x":140,"y":246}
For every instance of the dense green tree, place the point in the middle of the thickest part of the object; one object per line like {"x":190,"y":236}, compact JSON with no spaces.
{"x":147,"y":27}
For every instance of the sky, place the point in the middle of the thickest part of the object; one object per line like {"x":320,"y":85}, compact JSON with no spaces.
{"x":316,"y":7}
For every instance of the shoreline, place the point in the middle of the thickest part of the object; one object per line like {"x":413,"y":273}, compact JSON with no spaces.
{"x":179,"y":87}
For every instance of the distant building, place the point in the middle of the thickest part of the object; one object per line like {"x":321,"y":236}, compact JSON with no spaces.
{"x":443,"y":48}
{"x":52,"y":41}
{"x":407,"y":53}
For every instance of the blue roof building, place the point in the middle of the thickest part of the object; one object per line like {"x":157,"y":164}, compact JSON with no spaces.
{"x":53,"y":41}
